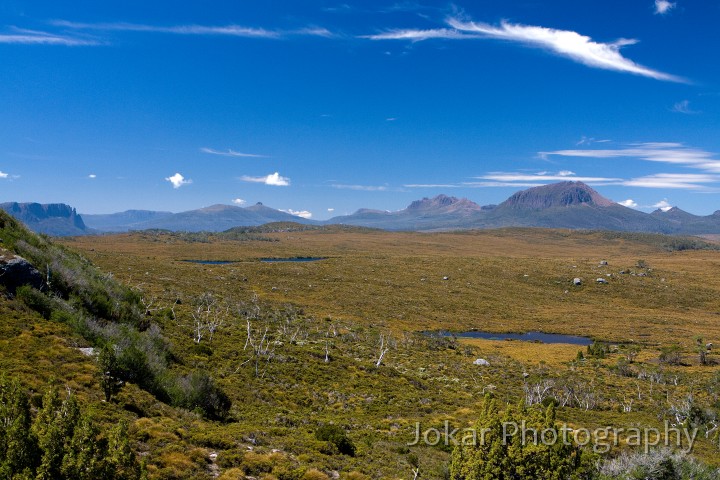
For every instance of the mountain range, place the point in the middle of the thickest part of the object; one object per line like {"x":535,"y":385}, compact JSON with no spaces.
{"x":572,"y":205}
{"x":52,"y":219}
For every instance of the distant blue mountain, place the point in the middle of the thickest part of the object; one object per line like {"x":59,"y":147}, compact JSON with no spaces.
{"x":55,"y":219}
{"x":123,"y":221}
{"x":216,"y":218}
{"x":572,"y":205}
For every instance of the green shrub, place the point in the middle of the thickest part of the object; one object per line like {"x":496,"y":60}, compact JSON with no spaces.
{"x":256,"y":463}
{"x":597,"y":350}
{"x":36,"y":300}
{"x":671,"y":355}
{"x":198,"y":392}
{"x":314,"y":474}
{"x":336,"y":436}
{"x":497,"y":457}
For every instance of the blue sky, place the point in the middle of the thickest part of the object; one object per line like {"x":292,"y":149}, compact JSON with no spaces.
{"x":323,"y":107}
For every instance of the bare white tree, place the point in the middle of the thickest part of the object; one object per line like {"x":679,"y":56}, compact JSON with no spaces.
{"x":261,"y":348}
{"x":209,"y":315}
{"x":383,"y":351}
{"x":627,"y":404}
{"x":537,"y":392}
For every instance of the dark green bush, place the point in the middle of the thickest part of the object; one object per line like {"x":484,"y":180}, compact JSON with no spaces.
{"x":36,"y":300}
{"x":671,"y":355}
{"x":198,"y":392}
{"x":336,"y":436}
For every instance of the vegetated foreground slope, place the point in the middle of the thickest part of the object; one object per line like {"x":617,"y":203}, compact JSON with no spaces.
{"x":325,"y":325}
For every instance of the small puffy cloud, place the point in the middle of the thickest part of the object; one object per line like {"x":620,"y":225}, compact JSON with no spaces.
{"x":239,"y":201}
{"x":331,"y":210}
{"x":274,"y":179}
{"x":178,"y":180}
{"x":663,"y":205}
{"x":565,"y":173}
{"x":4,"y":175}
{"x":298,"y":213}
{"x":663,"y":6}
{"x":92,"y":176}
{"x":630,"y":203}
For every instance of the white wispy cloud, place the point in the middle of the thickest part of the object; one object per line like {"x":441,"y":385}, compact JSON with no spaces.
{"x":238,"y":201}
{"x":590,"y":140}
{"x":562,"y":176}
{"x":662,"y":152}
{"x":92,"y":176}
{"x":565,"y":43}
{"x":630,"y":203}
{"x":274,"y":179}
{"x":298,"y":213}
{"x":431,"y":185}
{"x":230,"y":153}
{"x":683,"y":181}
{"x":663,"y":205}
{"x":364,"y":188}
{"x":178,"y":180}
{"x":4,"y":175}
{"x":503,"y":184}
{"x":330,"y":210}
{"x":218,"y":30}
{"x":683,"y":107}
{"x":663,"y":6}
{"x":417,"y":35}
{"x":314,"y":32}
{"x":565,"y":173}
{"x":34,"y":37}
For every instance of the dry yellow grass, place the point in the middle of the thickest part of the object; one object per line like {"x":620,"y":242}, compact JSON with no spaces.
{"x":507,"y":280}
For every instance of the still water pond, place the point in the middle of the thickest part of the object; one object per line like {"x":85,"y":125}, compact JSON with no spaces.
{"x":528,"y":337}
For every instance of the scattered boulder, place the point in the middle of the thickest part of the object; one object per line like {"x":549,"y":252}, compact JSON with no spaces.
{"x":446,"y":278}
{"x":603,"y":263}
{"x":577,"y":281}
{"x":15,"y":272}
{"x":601,"y":280}
{"x":482,"y":362}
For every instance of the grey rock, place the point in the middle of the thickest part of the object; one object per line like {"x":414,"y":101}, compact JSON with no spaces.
{"x":15,"y":272}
